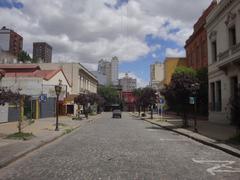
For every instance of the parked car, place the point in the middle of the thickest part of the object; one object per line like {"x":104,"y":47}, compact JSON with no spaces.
{"x":117,"y":113}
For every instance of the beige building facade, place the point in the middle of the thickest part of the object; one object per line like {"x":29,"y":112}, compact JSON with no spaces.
{"x":223,"y":30}
{"x":80,"y":79}
{"x":157,"y":75}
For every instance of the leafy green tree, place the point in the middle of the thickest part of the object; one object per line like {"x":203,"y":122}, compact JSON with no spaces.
{"x":2,"y":74}
{"x":145,"y":98}
{"x":110,"y":94}
{"x":179,"y":90}
{"x":185,"y":70}
{"x":137,"y":93}
{"x":202,"y":75}
{"x":23,"y":56}
{"x":8,"y":96}
{"x":82,"y":100}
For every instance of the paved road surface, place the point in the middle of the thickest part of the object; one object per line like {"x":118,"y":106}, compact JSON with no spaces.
{"x":124,"y":148}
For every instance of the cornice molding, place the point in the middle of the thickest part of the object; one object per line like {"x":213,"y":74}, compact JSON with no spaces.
{"x":230,"y":19}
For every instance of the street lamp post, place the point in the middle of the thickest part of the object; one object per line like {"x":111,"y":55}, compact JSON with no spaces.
{"x":195,"y":88}
{"x":58,"y":89}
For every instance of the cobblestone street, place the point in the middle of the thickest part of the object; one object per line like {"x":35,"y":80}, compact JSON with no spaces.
{"x":125,"y":148}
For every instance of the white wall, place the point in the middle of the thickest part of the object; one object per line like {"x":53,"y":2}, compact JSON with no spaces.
{"x":49,"y":86}
{"x":217,"y":23}
{"x":28,"y":85}
{"x":5,"y":41}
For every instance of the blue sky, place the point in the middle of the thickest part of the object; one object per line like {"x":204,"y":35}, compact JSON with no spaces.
{"x":139,"y":32}
{"x":141,"y":67}
{"x":11,"y":4}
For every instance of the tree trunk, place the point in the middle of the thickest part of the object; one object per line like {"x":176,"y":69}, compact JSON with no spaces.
{"x":21,"y":110}
{"x":185,"y":119}
{"x":151,"y":112}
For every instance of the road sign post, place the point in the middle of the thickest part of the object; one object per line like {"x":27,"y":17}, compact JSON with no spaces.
{"x":161,"y":101}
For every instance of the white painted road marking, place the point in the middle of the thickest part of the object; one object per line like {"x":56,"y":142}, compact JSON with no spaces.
{"x":219,"y":166}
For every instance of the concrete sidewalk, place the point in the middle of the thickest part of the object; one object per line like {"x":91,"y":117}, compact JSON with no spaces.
{"x":212,"y":134}
{"x":42,"y":129}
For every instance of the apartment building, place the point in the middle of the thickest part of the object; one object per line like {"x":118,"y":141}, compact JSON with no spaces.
{"x":10,"y":41}
{"x":42,"y":52}
{"x":223,"y":30}
{"x":127,"y":83}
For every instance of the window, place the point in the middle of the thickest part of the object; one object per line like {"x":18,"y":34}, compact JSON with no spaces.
{"x":232,"y":36}
{"x":212,"y":89}
{"x":214,"y":51}
{"x":219,"y":96}
{"x":234,"y":86}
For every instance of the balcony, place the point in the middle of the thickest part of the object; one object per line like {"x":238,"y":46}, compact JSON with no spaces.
{"x":224,"y":55}
{"x":230,"y":56}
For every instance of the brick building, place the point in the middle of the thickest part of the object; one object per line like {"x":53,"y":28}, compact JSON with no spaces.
{"x":10,"y":41}
{"x":42,"y":52}
{"x":196,"y":45}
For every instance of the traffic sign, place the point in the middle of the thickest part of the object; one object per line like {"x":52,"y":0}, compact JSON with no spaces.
{"x":191,"y":100}
{"x":161,"y":101}
{"x":43,"y":98}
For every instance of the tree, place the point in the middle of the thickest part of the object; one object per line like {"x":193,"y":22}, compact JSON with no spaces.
{"x":7,"y":96}
{"x":110,"y":95}
{"x":82,"y":99}
{"x":179,"y":90}
{"x":23,"y":56}
{"x":145,"y":98}
{"x":137,"y":93}
{"x":202,"y":76}
{"x":2,"y":74}
{"x":148,"y":98}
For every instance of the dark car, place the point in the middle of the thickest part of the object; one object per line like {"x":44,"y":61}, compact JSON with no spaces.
{"x":117,"y":113}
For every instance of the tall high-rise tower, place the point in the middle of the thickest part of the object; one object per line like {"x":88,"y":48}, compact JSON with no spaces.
{"x":10,"y":41}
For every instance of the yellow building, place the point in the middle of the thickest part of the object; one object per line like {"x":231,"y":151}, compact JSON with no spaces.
{"x":170,"y":64}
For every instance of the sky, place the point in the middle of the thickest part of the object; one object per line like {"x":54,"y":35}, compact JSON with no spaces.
{"x":138,"y":32}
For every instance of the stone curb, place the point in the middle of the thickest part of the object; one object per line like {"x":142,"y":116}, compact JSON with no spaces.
{"x":228,"y":149}
{"x":38,"y":146}
{"x":31,"y":149}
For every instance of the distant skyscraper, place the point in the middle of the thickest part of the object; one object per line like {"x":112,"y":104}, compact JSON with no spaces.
{"x":110,"y":70}
{"x":127,"y":83}
{"x":114,"y":70}
{"x":157,"y":75}
{"x":10,"y":41}
{"x":42,"y":52}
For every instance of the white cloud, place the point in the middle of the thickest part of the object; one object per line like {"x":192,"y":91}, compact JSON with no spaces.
{"x":175,"y":53}
{"x":140,"y":82}
{"x":154,"y":55}
{"x":87,"y":31}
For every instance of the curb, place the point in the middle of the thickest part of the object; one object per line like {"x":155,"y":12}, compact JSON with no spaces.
{"x":29,"y":150}
{"x":228,"y":149}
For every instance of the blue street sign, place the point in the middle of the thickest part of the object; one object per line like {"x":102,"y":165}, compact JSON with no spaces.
{"x":43,"y":98}
{"x":191,"y":100}
{"x":161,"y":101}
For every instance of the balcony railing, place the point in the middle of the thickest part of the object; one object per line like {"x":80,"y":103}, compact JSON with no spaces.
{"x":224,"y":55}
{"x":233,"y":50}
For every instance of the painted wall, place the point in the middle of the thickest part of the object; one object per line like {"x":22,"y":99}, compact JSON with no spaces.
{"x":28,"y":85}
{"x":49,"y":86}
{"x":170,"y":65}
{"x":77,"y":76}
